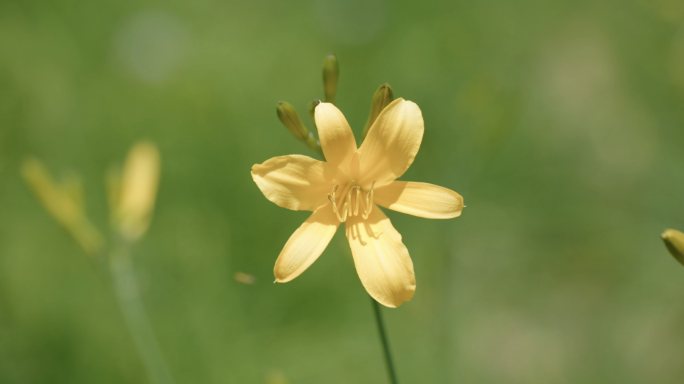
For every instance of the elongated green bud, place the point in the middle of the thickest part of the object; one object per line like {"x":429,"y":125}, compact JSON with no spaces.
{"x":382,"y":98}
{"x":313,"y":143}
{"x":674,"y":241}
{"x":331,"y":75}
{"x":290,"y":119}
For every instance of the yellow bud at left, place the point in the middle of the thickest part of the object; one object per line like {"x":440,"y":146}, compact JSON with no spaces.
{"x":56,"y":200}
{"x":64,"y":202}
{"x":139,"y":181}
{"x":674,"y":241}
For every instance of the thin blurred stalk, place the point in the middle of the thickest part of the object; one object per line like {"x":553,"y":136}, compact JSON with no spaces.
{"x":132,"y":193}
{"x":384,"y":342}
{"x":133,"y":309}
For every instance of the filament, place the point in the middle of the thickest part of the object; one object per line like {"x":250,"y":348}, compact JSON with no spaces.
{"x":358,"y":194}
{"x":351,"y":208}
{"x":341,"y":217}
{"x":369,"y":201}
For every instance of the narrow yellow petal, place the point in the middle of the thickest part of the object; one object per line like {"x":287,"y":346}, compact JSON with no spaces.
{"x":337,"y":138}
{"x":306,"y":244}
{"x":139,"y":181}
{"x":392,"y":142}
{"x":382,"y":260}
{"x":420,"y":199}
{"x":64,"y":201}
{"x":60,"y":204}
{"x":294,"y":182}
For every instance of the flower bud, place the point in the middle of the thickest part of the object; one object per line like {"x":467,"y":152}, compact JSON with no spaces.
{"x":312,"y":142}
{"x":64,"y":201}
{"x":312,"y":110}
{"x":382,"y":98}
{"x":674,"y":241}
{"x":331,"y":75}
{"x":139,"y":181}
{"x":290,"y":119}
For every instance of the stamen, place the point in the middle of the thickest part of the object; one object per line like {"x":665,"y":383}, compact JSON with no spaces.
{"x":369,"y":201}
{"x":350,"y":207}
{"x":331,"y":197}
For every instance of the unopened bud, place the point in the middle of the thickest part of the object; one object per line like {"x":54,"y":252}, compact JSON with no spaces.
{"x":312,"y":142}
{"x":382,"y":98}
{"x":312,"y":110}
{"x":64,"y":201}
{"x":139,"y":181}
{"x":290,"y":119}
{"x":331,"y":75}
{"x":674,"y":241}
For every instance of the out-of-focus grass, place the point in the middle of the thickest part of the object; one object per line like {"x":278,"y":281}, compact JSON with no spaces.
{"x":559,"y":122}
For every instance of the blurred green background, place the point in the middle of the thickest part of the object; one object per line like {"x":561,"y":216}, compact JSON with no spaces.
{"x":560,"y":122}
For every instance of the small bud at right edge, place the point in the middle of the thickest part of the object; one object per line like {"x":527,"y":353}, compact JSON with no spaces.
{"x":674,"y":241}
{"x":382,"y":98}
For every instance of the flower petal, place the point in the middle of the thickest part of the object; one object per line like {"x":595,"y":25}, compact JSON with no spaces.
{"x":382,"y":261}
{"x":294,"y":182}
{"x":337,"y":138}
{"x":306,"y":244}
{"x":420,"y":199}
{"x":392,"y":142}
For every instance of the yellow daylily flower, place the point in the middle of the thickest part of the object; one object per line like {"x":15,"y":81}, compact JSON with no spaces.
{"x":347,"y":188}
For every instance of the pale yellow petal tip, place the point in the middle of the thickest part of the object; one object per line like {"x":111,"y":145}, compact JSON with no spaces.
{"x":258,"y":167}
{"x":398,"y":300}
{"x":457,"y":209}
{"x":254,"y":172}
{"x":393,"y":304}
{"x":279,"y":279}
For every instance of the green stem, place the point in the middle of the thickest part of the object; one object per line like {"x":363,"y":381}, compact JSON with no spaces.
{"x":385,"y":343}
{"x":130,"y":302}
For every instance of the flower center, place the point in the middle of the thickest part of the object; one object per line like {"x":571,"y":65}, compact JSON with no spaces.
{"x":352,"y":209}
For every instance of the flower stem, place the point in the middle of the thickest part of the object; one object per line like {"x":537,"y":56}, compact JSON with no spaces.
{"x":385,"y":343}
{"x":130,"y":302}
